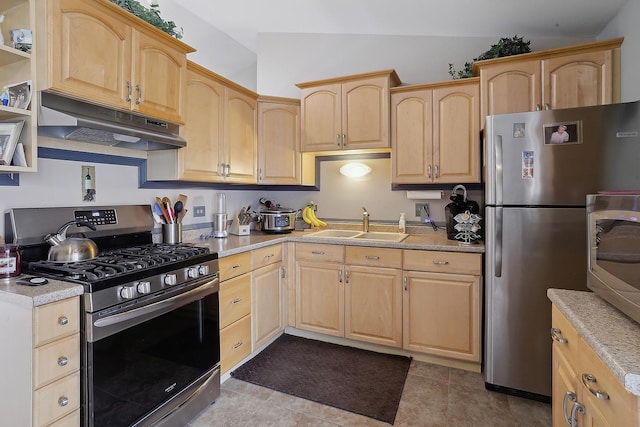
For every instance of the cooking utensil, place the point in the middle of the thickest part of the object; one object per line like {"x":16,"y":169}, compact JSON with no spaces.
{"x":163,"y":209}
{"x":158,"y":211}
{"x":183,"y":199}
{"x":177,"y":210}
{"x":71,"y":249}
{"x":169,"y":208}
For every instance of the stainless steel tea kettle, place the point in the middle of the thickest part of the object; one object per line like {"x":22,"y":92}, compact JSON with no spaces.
{"x":71,"y":249}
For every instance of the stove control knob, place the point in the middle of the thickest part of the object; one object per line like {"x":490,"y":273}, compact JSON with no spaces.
{"x":128,"y":291}
{"x":203,"y":270}
{"x":170,"y":279}
{"x":143,"y":287}
{"x":192,"y":272}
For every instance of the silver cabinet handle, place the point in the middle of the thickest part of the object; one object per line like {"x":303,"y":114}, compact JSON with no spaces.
{"x":577,"y":408}
{"x":338,"y":139}
{"x":339,"y":276}
{"x":538,"y":107}
{"x":236,"y":301}
{"x":228,"y":170}
{"x":588,"y":380}
{"x":139,"y":98}
{"x":63,"y":401}
{"x":346,"y":276}
{"x":436,"y":262}
{"x":372,"y":257}
{"x":429,"y":171}
{"x":129,"y":91}
{"x":317,"y":252}
{"x":437,"y":171}
{"x":260,"y":178}
{"x":62,"y":361}
{"x":266,"y":257}
{"x":556,"y":335}
{"x":547,"y":107}
{"x":63,"y":320}
{"x":233,"y":267}
{"x":406,"y":283}
{"x":569,"y":396}
{"x":344,"y":140}
{"x":237,"y":345}
{"x":283,"y":272}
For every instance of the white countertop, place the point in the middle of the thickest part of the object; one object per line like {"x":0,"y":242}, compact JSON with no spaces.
{"x":33,"y":296}
{"x":613,"y":336}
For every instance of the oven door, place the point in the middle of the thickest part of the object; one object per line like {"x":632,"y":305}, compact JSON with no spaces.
{"x":143,"y":363}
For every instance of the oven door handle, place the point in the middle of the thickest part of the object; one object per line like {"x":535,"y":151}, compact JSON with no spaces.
{"x":118,"y":322}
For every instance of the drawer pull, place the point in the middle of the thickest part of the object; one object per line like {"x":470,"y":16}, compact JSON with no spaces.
{"x":269,"y":256}
{"x":372,"y":257}
{"x":63,"y":320}
{"x":556,"y":335}
{"x":233,"y":267}
{"x":440,"y":262}
{"x":588,"y":380}
{"x":62,"y":361}
{"x":237,"y":300}
{"x":63,"y":401}
{"x":237,"y":345}
{"x":576,"y":408}
{"x":317,"y":252}
{"x":569,"y":396}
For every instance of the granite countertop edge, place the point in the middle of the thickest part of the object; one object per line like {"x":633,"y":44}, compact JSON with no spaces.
{"x":34,"y":296}
{"x":613,"y":336}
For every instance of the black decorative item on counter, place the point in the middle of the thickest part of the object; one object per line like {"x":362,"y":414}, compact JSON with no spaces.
{"x":459,"y":204}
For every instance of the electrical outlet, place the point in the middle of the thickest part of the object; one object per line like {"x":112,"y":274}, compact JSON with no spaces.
{"x":198,"y":211}
{"x":421,"y":209}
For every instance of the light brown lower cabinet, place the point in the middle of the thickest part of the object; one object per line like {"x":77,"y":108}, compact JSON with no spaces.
{"x":267,"y":289}
{"x":442,"y":305}
{"x":584,"y":390}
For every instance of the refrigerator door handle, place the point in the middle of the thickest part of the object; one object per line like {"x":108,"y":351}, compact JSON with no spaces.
{"x":498,"y":181}
{"x":497,"y":253}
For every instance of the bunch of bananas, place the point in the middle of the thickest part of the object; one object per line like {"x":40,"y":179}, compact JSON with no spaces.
{"x":309,"y":216}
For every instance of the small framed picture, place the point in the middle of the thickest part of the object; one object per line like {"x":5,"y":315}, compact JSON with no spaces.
{"x":563,"y":133}
{"x":9,"y":136}
{"x":18,"y":95}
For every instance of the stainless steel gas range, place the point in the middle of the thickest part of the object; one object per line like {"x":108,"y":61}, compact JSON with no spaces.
{"x":151,"y":343}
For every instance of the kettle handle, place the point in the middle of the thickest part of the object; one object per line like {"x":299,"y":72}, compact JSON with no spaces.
{"x":460,"y":187}
{"x":63,"y":228}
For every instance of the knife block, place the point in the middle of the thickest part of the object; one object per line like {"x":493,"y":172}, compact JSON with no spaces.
{"x":238,"y":229}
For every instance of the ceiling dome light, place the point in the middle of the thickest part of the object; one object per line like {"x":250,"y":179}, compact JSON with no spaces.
{"x":355,"y":170}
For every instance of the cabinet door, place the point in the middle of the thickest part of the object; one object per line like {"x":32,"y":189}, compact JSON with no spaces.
{"x":279,"y":158}
{"x":159,"y":78}
{"x":456,"y":134}
{"x":267,"y":314}
{"x":510,"y":88}
{"x":90,"y":53}
{"x":321,"y":127}
{"x":373,"y":301}
{"x":203,"y":128}
{"x":365,"y":114}
{"x":412,"y":137}
{"x":442,"y":314}
{"x":320,"y":297}
{"x":578,"y":80}
{"x":240,"y":138}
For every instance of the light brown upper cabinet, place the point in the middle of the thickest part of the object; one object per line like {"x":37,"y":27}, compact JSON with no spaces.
{"x":347,"y":113}
{"x":435,"y":133}
{"x":575,"y":76}
{"x":279,"y":158}
{"x":220,"y":132}
{"x":97,"y":51}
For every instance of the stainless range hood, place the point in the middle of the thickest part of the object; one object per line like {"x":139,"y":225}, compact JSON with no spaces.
{"x":71,"y":119}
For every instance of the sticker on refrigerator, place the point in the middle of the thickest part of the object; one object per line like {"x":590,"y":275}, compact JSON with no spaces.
{"x":527,"y":165}
{"x":518,"y":130}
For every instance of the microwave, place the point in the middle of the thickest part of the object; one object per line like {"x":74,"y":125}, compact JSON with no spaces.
{"x":613,"y":270}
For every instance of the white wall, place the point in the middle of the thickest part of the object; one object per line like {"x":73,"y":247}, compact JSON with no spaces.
{"x":626,"y":25}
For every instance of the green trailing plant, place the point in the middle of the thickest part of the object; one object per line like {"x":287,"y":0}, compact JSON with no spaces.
{"x":505,"y":47}
{"x":150,"y":15}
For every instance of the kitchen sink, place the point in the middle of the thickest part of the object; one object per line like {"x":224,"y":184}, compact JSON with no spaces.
{"x":381,"y":235}
{"x":361,"y":235}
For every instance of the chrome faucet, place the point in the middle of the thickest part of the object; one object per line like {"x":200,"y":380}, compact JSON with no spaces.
{"x":365,"y":220}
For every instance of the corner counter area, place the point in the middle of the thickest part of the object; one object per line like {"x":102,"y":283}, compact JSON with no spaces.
{"x":596,"y":363}
{"x":421,"y":296}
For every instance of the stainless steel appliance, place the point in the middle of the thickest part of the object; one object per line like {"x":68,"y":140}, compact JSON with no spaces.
{"x":614,"y":250}
{"x":151,"y":345}
{"x":536,"y":225}
{"x":277,"y":220}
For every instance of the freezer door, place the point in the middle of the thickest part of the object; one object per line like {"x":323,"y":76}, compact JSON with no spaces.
{"x":528,"y":251}
{"x":522,"y":167}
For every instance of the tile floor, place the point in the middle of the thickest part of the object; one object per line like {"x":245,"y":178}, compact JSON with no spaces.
{"x":433,"y":396}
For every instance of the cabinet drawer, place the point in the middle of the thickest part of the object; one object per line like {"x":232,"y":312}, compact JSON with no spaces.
{"x":56,"y":359}
{"x":374,"y":257}
{"x":234,"y":265}
{"x":266,"y":256}
{"x":235,"y":299}
{"x":443,"y":262}
{"x":71,"y":420}
{"x":56,"y":400}
{"x":621,"y":406}
{"x":562,"y":329}
{"x":56,"y":320}
{"x":319,"y":252}
{"x":235,"y":343}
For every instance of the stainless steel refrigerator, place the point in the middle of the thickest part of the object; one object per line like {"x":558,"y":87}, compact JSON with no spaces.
{"x":536,"y":182}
